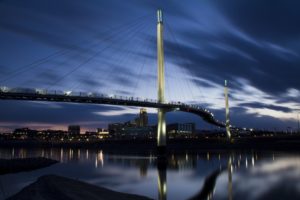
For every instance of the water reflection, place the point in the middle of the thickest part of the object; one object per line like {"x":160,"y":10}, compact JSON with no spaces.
{"x":99,"y":159}
{"x":162,"y":181}
{"x":208,"y":188}
{"x":202,"y":175}
{"x":229,"y":170}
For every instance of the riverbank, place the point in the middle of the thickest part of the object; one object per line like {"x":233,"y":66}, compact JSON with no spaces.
{"x":52,"y":187}
{"x":24,"y":164}
{"x":138,"y":145}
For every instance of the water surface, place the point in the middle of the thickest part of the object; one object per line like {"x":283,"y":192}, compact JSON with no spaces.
{"x":202,"y":175}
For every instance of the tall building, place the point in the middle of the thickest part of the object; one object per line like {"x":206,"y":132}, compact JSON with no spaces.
{"x":74,"y":129}
{"x":137,"y":128}
{"x":143,"y":117}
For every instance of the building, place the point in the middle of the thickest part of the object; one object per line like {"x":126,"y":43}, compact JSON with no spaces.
{"x":177,"y":130}
{"x":115,"y":128}
{"x":137,"y":128}
{"x":143,"y":118}
{"x":74,"y":129}
{"x":102,"y":133}
{"x":137,"y":132}
{"x":24,"y":133}
{"x":130,"y":130}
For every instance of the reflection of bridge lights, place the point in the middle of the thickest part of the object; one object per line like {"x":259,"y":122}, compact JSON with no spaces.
{"x":61,"y":155}
{"x":253,"y":161}
{"x":207,"y":156}
{"x":99,"y":158}
{"x":71,"y":153}
{"x":51,"y":153}
{"x":151,"y":158}
{"x":23,"y":153}
{"x":96,"y":162}
{"x":165,"y":188}
{"x":246,"y":162}
{"x":87,"y":154}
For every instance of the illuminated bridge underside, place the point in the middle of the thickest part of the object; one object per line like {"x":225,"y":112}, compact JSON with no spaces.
{"x":205,"y":114}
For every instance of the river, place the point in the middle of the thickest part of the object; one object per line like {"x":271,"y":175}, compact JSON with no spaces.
{"x":198,"y":175}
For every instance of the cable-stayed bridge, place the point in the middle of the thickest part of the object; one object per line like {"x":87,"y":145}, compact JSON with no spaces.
{"x":163,"y":106}
{"x":94,"y":98}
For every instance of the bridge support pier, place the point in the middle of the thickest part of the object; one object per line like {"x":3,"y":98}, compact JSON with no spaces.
{"x":161,"y":132}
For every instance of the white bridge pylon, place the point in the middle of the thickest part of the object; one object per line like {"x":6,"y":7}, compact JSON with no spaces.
{"x":161,"y":125}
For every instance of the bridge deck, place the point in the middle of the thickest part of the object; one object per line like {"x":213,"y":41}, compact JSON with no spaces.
{"x":102,"y":99}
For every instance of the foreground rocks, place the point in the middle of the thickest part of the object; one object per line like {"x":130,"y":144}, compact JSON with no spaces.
{"x":23,"y":164}
{"x":60,"y":188}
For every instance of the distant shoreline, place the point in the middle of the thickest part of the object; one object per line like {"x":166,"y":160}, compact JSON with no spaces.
{"x":138,"y":145}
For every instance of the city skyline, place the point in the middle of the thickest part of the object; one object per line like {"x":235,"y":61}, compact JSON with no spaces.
{"x":258,"y":57}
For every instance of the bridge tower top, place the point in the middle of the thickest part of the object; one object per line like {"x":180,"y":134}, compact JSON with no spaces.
{"x":159,"y":16}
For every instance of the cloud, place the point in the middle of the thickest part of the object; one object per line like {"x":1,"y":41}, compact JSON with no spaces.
{"x":254,"y":45}
{"x":267,"y":106}
{"x":270,"y":20}
{"x":279,"y":176}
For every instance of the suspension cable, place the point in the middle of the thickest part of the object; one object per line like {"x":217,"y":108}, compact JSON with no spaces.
{"x":39,"y":62}
{"x":82,"y":63}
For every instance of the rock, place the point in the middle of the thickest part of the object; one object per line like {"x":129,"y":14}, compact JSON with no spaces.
{"x":60,"y":188}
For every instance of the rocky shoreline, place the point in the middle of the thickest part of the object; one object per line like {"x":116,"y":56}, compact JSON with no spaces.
{"x":24,"y":164}
{"x":52,"y":187}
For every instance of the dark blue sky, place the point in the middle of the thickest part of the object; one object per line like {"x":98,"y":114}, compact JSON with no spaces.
{"x":110,"y":47}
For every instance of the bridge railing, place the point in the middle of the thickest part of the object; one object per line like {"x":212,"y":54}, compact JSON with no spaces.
{"x":5,"y":89}
{"x":180,"y":105}
{"x":89,"y":94}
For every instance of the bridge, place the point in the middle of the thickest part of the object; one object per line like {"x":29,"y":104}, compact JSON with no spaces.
{"x":95,"y":98}
{"x":8,"y":93}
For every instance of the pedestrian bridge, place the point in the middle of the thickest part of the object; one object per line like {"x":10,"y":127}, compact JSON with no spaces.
{"x":27,"y":94}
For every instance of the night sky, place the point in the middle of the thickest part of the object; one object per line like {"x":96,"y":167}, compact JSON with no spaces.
{"x":110,"y":47}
